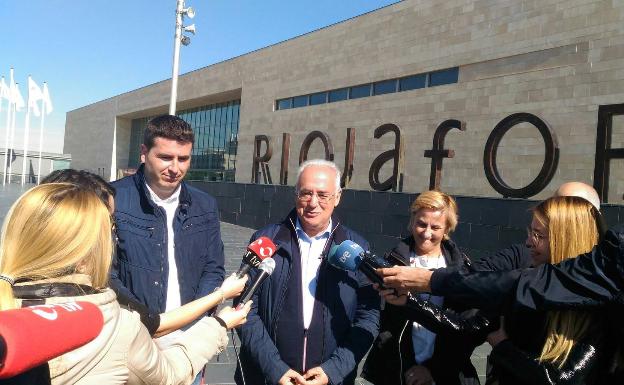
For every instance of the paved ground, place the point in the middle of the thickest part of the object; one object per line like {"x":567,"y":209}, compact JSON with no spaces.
{"x":220,"y":370}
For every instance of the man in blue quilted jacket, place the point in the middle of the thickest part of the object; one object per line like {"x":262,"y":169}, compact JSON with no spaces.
{"x":310,"y":323}
{"x":169,"y":248}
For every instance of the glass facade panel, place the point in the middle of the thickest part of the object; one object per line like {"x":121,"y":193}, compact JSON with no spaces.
{"x":413,"y":82}
{"x":338,"y":95}
{"x":423,"y":80}
{"x":216,"y":141}
{"x":318,"y":98}
{"x":385,"y":87}
{"x":136,"y":138}
{"x":284,"y":104}
{"x":300,"y":101}
{"x":60,"y":164}
{"x":448,"y":76}
{"x":360,"y":91}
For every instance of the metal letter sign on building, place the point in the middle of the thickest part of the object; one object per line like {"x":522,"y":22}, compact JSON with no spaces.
{"x":394,"y":182}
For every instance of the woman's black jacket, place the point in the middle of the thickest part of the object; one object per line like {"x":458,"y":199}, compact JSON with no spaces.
{"x":392,"y":352}
{"x":515,"y":361}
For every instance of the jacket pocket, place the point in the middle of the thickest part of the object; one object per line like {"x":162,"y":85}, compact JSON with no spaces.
{"x":198,"y":224}
{"x":142,"y":229}
{"x":140,"y":245}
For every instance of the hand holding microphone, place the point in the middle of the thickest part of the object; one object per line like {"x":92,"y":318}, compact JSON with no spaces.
{"x":234,"y":317}
{"x":393,"y":296}
{"x":266,"y":268}
{"x":233,"y":285}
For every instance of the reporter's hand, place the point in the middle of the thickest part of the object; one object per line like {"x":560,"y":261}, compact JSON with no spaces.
{"x":233,"y":286}
{"x":418,"y":375}
{"x":497,"y":336}
{"x":404,"y":277}
{"x":392,"y":296}
{"x":234,"y":317}
{"x":291,"y":377}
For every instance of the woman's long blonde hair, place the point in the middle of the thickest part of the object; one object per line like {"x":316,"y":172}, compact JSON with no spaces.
{"x":54,"y":230}
{"x":574,"y":228}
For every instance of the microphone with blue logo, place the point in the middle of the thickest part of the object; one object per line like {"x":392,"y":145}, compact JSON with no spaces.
{"x":351,"y":257}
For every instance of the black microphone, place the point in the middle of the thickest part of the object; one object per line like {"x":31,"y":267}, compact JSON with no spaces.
{"x":266,"y":268}
{"x":257,"y":251}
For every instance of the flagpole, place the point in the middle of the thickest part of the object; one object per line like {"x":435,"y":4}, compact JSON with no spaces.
{"x":43,"y":113}
{"x":12,"y":135}
{"x":26,"y":129}
{"x":6,"y":141}
{"x":6,"y":134}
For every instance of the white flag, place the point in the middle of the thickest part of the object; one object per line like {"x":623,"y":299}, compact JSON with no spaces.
{"x":5,"y":91}
{"x":46,"y":99}
{"x":16,"y":97}
{"x":34,"y":95}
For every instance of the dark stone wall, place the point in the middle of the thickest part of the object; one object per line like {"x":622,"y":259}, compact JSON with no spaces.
{"x":485,"y":224}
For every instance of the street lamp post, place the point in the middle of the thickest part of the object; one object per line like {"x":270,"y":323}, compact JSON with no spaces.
{"x":179,"y":38}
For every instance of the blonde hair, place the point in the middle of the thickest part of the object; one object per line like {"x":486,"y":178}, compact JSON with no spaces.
{"x":54,"y":230}
{"x":437,"y":201}
{"x":573,"y":229}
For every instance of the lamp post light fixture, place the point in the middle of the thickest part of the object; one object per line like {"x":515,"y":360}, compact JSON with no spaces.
{"x":179,"y":38}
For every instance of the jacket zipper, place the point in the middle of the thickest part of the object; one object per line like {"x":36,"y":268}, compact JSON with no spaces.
{"x":400,"y":353}
{"x":305,"y":333}
{"x":164,"y":257}
{"x":305,"y":349}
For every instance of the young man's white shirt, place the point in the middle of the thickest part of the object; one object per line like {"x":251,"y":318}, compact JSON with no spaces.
{"x":170,"y":205}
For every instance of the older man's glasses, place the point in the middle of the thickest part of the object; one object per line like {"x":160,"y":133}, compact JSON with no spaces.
{"x":322,"y":197}
{"x":535,"y":237}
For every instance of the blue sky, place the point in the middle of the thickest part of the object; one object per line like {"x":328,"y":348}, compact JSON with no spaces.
{"x":90,"y":50}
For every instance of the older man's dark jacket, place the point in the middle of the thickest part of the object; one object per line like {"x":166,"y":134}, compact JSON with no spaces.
{"x":346,"y":305}
{"x":140,"y":268}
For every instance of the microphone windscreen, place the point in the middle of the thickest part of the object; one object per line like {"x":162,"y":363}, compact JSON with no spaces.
{"x":266,"y":269}
{"x":263,"y":247}
{"x":333,"y":250}
{"x":267,"y":265}
{"x":36,"y":334}
{"x":347,"y":256}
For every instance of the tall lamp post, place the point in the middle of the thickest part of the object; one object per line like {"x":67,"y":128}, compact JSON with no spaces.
{"x":179,"y":38}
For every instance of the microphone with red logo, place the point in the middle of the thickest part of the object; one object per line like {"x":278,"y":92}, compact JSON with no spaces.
{"x":266,"y":268}
{"x":33,"y":335}
{"x":257,"y":251}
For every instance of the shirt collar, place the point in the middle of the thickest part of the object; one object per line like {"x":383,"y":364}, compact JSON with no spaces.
{"x":173,"y":198}
{"x":321,"y":235}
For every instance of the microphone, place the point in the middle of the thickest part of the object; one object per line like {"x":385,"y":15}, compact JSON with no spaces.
{"x":33,"y":335}
{"x":257,"y":251}
{"x":350,"y":256}
{"x":266,"y":268}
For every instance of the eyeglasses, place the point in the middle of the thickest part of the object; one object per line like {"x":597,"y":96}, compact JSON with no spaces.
{"x":306,"y":196}
{"x":536,"y":237}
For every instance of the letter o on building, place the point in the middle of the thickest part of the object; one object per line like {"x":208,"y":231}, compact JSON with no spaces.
{"x":549,"y":167}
